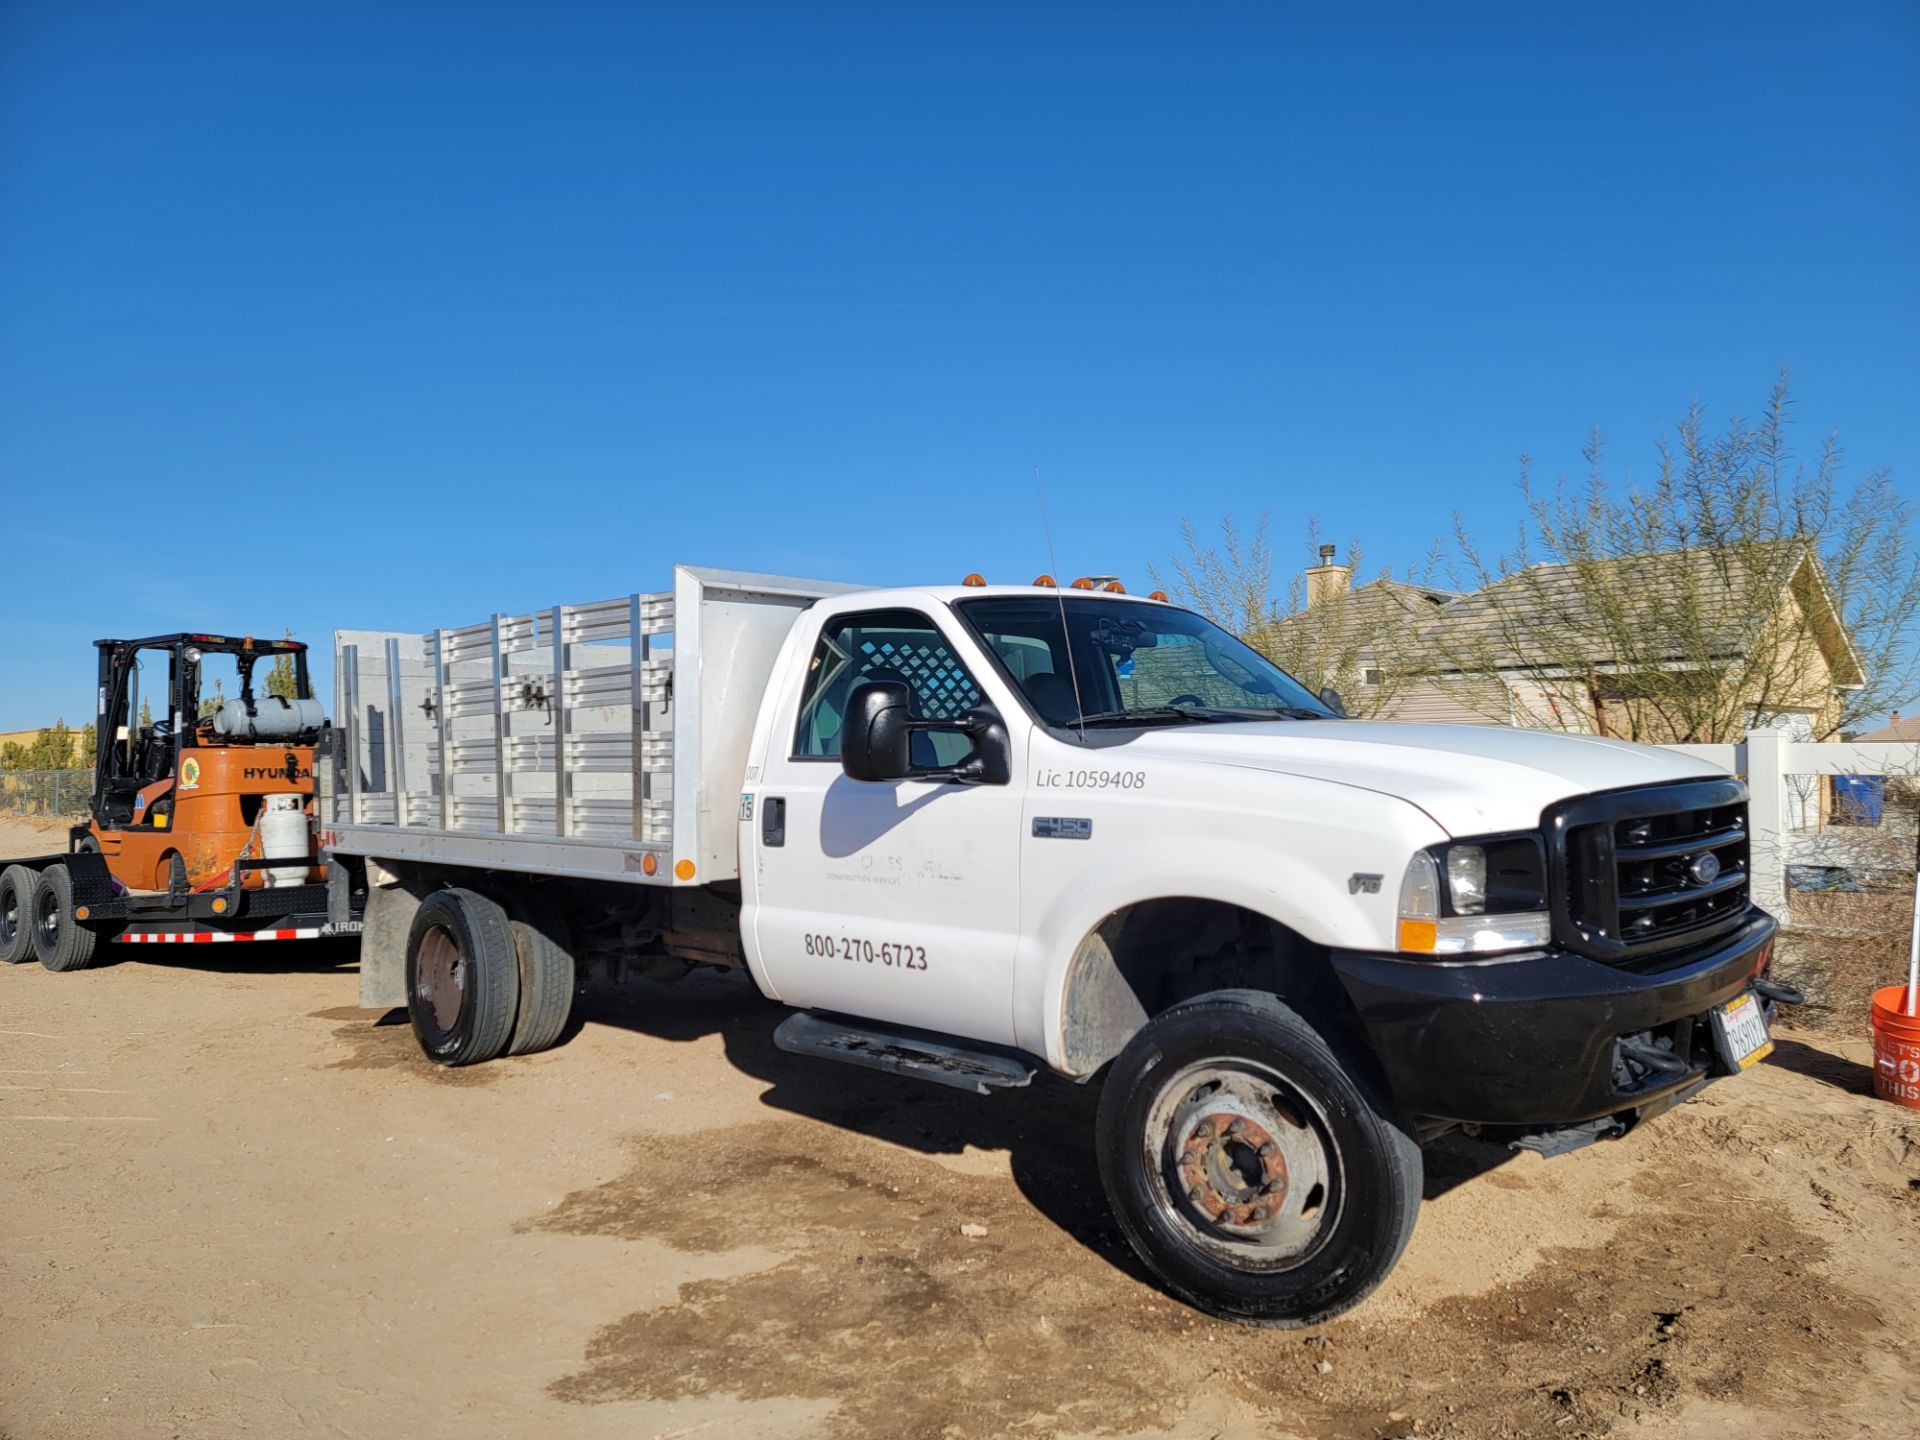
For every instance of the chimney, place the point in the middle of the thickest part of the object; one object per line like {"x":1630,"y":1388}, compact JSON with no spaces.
{"x":1326,"y":579}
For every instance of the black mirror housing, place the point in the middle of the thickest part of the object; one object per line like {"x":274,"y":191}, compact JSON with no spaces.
{"x":1330,"y":698}
{"x":876,"y":739}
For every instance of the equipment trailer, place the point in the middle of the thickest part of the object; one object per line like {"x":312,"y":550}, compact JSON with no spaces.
{"x":971,"y":832}
{"x":201,"y":828}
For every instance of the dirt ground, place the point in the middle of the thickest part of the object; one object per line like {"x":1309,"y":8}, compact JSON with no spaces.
{"x":234,"y":1204}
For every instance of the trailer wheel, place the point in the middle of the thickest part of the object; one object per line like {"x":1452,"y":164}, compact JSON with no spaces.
{"x":463,"y":977}
{"x":17,"y":884}
{"x":61,"y":942}
{"x":545,"y":952}
{"x":1259,"y":1175}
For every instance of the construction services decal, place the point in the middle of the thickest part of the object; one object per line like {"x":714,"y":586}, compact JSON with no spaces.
{"x":190,"y":774}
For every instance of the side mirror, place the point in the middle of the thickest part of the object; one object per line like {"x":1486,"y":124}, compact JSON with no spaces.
{"x":1330,"y":698}
{"x":876,"y":739}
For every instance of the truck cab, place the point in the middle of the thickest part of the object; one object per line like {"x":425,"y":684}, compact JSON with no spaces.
{"x":1107,"y":811}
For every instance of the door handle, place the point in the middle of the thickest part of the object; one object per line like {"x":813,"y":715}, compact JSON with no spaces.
{"x":773,"y":820}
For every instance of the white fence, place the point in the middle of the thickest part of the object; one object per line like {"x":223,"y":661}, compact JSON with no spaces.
{"x":1786,"y":816}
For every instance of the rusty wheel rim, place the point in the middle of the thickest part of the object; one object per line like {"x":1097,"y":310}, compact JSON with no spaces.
{"x":1243,"y":1164}
{"x":440,"y":978}
{"x":9,"y":917}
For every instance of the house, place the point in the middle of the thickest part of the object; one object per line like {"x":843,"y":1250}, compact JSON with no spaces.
{"x":1669,"y":646}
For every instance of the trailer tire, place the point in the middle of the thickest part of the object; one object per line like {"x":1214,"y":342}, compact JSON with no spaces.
{"x":1259,"y":1172}
{"x":545,"y":951}
{"x":463,"y":978}
{"x":61,"y":942}
{"x":17,"y":884}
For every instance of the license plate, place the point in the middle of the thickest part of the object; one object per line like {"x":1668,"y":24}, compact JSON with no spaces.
{"x":1743,"y":1029}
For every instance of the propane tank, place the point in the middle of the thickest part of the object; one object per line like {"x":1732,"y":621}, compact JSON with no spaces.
{"x":283,"y":836}
{"x":274,"y":718}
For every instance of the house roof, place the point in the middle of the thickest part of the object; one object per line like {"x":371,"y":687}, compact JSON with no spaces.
{"x":1721,"y":594}
{"x":1364,"y":609}
{"x":1729,"y":590}
{"x":1899,"y":727}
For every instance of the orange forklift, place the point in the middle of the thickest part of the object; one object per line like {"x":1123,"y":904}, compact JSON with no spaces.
{"x":201,"y":827}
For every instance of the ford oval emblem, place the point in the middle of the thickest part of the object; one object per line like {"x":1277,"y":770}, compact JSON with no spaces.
{"x":1705,"y":869}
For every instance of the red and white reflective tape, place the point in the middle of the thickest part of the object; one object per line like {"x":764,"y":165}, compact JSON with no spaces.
{"x":211,"y":937}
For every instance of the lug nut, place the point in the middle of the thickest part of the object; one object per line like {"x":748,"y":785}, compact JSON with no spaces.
{"x":1237,"y":1127}
{"x":1257,"y":1214}
{"x":1269,"y":1150}
{"x":1187,"y":1157}
{"x":1197,"y":1194}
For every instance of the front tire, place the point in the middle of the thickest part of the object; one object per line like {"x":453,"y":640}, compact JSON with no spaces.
{"x":61,"y":942}
{"x":1261,"y":1175}
{"x":17,"y":884}
{"x":463,"y":978}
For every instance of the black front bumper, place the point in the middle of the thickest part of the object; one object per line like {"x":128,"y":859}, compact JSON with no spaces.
{"x":1538,"y":1040}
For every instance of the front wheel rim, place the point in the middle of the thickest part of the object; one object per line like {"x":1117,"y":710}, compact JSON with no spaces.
{"x":1242,"y":1164}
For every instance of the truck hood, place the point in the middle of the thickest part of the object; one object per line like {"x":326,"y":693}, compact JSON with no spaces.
{"x":1472,"y":779}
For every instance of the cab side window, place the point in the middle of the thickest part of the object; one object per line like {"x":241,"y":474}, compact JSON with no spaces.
{"x":898,"y":645}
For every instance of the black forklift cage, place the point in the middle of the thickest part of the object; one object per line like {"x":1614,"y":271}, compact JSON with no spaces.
{"x":118,"y":668}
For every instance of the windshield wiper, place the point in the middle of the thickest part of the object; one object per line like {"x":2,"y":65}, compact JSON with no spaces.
{"x":1148,"y":713}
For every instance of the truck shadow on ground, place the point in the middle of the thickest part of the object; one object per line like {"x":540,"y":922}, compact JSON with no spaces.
{"x":1046,"y":1130}
{"x":279,"y":957}
{"x":1836,"y":1070}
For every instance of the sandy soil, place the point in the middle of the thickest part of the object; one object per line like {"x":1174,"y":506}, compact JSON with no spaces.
{"x":234,"y":1204}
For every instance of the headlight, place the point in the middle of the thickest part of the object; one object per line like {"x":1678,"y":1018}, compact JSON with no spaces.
{"x":1475,"y":897}
{"x":1467,"y":878}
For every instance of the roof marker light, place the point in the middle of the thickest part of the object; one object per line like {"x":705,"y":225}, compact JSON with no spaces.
{"x":975,"y":579}
{"x":1083,"y":583}
{"x":1159,"y":595}
{"x":1046,"y":580}
{"x":1114,"y":587}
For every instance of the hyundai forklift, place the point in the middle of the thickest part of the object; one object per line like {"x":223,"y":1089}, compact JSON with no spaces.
{"x":201,"y":826}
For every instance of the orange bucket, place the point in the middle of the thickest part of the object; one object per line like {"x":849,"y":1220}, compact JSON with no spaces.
{"x":1896,"y":1048}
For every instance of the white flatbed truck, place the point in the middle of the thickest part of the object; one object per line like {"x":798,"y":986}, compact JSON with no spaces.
{"x":971,"y":832}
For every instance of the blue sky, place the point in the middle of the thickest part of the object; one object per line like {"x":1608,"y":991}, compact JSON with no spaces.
{"x":394,"y":315}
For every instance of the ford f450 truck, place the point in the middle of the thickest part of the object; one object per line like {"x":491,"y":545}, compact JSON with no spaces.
{"x":971,"y":832}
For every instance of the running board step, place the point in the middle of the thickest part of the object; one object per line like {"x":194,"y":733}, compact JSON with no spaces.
{"x":904,"y":1052}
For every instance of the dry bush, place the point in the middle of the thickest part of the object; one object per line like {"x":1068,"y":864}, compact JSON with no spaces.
{"x":1840,"y":948}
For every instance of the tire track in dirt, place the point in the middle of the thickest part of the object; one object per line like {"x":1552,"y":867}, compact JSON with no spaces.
{"x":380,"y":1044}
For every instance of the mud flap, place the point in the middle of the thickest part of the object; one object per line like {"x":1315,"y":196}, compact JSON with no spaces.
{"x":383,"y":946}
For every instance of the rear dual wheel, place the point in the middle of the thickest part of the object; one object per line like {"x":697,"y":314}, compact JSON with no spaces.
{"x":463,"y":978}
{"x":483,"y":982}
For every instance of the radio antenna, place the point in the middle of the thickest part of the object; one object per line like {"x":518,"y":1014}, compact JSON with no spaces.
{"x":1066,"y":640}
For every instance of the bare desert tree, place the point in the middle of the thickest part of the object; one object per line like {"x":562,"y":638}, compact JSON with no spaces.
{"x":1367,"y":641}
{"x":1741,"y":585}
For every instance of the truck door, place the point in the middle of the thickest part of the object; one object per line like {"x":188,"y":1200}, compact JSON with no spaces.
{"x":894,"y":900}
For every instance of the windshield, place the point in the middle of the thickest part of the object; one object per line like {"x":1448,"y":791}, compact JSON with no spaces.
{"x":1131,"y":663}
